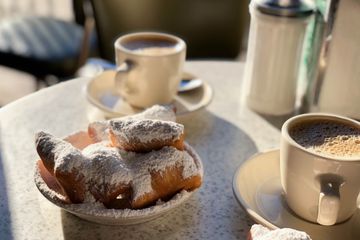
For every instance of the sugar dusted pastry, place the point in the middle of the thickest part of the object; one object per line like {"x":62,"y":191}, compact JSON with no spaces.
{"x":258,"y":232}
{"x":63,"y":161}
{"x":146,"y":135}
{"x":97,"y":173}
{"x":98,"y":130}
{"x":107,"y":176}
{"x":157,"y":112}
{"x":161,"y":174}
{"x":141,"y":162}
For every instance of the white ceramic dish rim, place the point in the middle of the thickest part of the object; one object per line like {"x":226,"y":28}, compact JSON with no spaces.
{"x":134,"y":216}
{"x":254,"y":215}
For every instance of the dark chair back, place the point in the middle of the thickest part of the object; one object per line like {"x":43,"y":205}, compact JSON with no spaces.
{"x":211,"y":28}
{"x":45,"y":46}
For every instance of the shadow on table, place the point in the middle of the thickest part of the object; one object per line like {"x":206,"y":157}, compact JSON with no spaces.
{"x":5,"y":228}
{"x":212,"y":212}
{"x":276,"y":121}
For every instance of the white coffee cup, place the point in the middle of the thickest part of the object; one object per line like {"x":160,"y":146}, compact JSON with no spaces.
{"x":150,"y":67}
{"x":319,"y":186}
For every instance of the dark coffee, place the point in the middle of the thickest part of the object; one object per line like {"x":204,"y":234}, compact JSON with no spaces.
{"x":152,"y":46}
{"x":327,"y":137}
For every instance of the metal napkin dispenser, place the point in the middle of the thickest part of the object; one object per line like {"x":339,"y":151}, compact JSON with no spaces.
{"x":333,"y":69}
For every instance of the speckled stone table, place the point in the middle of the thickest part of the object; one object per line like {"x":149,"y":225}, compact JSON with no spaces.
{"x":225,"y":135}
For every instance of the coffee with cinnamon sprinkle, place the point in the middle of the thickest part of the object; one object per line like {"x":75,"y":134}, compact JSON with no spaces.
{"x":327,"y":137}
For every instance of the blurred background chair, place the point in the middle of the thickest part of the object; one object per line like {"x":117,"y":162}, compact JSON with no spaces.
{"x":45,"y":45}
{"x":211,"y":28}
{"x":54,"y":38}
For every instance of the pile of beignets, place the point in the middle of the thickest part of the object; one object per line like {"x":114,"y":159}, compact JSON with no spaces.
{"x":136,"y":160}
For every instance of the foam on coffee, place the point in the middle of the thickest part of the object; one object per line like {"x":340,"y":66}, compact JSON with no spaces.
{"x":327,"y":137}
{"x":155,"y":46}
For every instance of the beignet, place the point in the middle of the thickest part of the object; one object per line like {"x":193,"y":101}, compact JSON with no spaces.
{"x":160,"y":174}
{"x":143,"y":162}
{"x":99,"y":130}
{"x":146,"y":135}
{"x":95,"y":173}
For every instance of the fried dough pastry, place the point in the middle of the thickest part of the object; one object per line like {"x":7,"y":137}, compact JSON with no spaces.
{"x":98,"y":131}
{"x":102,"y":173}
{"x":95,"y":173}
{"x":161,"y":174}
{"x":63,"y":161}
{"x":146,"y":135}
{"x":143,"y":161}
{"x":107,"y":176}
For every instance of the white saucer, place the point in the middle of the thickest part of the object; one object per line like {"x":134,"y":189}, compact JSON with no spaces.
{"x":101,"y":93}
{"x":257,"y":188}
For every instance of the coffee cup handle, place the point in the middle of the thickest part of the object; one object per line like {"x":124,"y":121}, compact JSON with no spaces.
{"x":121,"y":77}
{"x":329,"y":203}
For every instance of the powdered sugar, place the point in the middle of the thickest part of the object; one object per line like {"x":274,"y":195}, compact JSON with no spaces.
{"x":46,"y":191}
{"x":99,"y":210}
{"x":65,"y":156}
{"x":99,"y":130}
{"x":157,"y":161}
{"x":68,"y":158}
{"x":157,"y":112}
{"x":146,"y":131}
{"x":104,"y":168}
{"x":113,"y":166}
{"x":259,"y":232}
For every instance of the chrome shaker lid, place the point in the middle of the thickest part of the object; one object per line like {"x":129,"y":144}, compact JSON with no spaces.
{"x":285,"y":8}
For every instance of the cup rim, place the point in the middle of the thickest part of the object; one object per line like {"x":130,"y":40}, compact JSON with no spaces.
{"x":181,"y":45}
{"x":285,"y":133}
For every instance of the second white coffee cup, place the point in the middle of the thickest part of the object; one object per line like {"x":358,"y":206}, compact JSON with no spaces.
{"x":149,"y":67}
{"x":320,"y":172}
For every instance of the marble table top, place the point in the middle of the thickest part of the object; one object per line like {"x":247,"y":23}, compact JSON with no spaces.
{"x":225,"y":134}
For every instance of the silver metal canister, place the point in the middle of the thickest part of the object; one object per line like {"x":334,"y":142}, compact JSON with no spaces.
{"x":334,"y":82}
{"x":275,"y":46}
